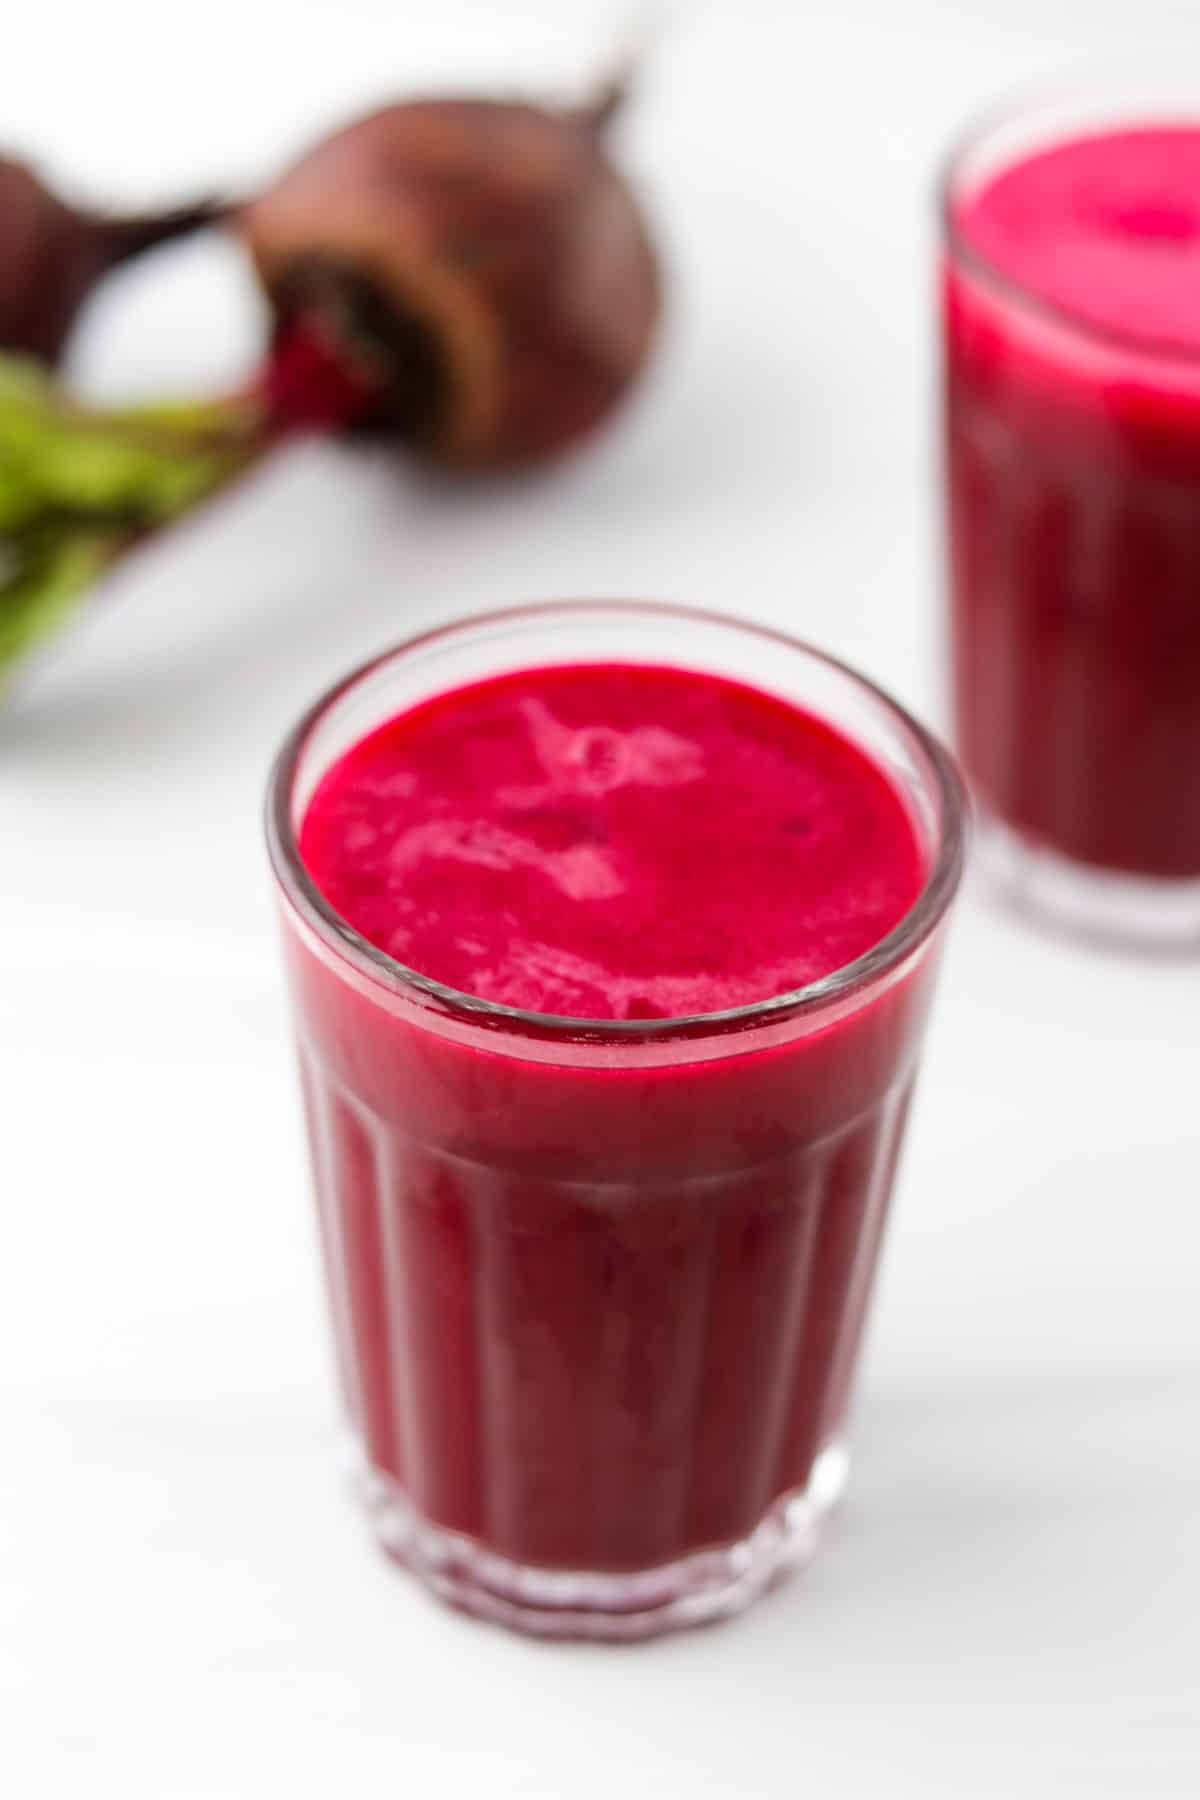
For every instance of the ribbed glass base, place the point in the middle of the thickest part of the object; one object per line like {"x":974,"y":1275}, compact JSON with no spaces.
{"x":710,"y":1584}
{"x":1130,"y":911}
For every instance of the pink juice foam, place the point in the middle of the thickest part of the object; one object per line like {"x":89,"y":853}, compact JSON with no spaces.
{"x":605,"y":842}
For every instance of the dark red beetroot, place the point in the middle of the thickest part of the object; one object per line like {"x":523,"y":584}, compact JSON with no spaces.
{"x":477,"y":271}
{"x":52,"y":255}
{"x":472,"y":278}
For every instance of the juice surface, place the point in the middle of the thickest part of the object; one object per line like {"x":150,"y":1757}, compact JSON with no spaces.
{"x":1105,"y":226}
{"x":613,"y":841}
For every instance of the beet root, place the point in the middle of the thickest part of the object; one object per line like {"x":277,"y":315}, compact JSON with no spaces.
{"x":477,"y":271}
{"x":53,"y":254}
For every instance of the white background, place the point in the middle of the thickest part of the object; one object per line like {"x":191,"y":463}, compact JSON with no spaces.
{"x":1008,"y":1604}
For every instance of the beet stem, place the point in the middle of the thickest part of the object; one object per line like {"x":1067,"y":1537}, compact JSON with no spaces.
{"x":611,"y":97}
{"x":123,"y":238}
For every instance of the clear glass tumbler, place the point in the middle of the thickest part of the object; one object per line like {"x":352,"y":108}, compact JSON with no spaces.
{"x":1073,"y":485}
{"x":598,"y":1288}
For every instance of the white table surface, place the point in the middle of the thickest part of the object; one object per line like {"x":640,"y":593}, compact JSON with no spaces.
{"x":189,"y":1610}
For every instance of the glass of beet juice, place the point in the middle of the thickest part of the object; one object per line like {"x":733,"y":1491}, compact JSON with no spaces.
{"x":1071,"y":289}
{"x":611,"y":931}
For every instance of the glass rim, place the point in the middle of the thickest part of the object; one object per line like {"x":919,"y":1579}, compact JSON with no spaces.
{"x":905,"y":938}
{"x":1019,"y":103}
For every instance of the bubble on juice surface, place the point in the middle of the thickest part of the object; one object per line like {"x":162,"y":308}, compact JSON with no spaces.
{"x":596,"y":759}
{"x":581,"y":872}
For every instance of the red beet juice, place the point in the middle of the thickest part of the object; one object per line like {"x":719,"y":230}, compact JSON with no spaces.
{"x":1072,"y":329}
{"x":609,"y":978}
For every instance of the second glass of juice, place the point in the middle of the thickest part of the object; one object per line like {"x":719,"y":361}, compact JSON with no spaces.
{"x":1071,"y":287}
{"x":611,"y":932}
